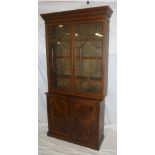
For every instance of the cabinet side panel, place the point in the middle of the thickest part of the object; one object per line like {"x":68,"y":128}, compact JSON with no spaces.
{"x":105,"y":56}
{"x":101,"y":119}
{"x":47,"y":57}
{"x":48,"y":112}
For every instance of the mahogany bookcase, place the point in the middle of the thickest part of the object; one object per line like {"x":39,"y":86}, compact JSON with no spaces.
{"x":77,"y":68}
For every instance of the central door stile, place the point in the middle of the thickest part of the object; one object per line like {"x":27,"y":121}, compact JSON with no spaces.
{"x":73,"y":58}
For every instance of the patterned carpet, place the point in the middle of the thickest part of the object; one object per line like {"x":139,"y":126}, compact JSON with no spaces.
{"x":52,"y":146}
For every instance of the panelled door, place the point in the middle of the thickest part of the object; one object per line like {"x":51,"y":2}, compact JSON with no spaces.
{"x":74,"y":117}
{"x":60,"y":115}
{"x":85,"y":118}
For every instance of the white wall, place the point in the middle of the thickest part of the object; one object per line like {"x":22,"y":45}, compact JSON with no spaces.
{"x":111,"y":99}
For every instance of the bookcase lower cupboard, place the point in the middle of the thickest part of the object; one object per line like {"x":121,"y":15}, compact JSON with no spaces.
{"x":77,"y":70}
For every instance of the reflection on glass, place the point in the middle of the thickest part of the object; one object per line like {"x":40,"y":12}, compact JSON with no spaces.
{"x":60,"y":26}
{"x":98,"y":34}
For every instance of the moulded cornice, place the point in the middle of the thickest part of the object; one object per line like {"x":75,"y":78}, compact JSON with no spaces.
{"x":73,"y":14}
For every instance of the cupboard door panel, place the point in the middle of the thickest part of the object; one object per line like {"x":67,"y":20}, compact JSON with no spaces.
{"x":60,"y":123}
{"x":85,"y":120}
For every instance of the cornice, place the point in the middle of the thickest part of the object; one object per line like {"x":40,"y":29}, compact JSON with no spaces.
{"x":73,"y":14}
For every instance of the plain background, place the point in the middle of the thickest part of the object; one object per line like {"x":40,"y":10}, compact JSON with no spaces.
{"x":111,"y":99}
{"x":19,"y":77}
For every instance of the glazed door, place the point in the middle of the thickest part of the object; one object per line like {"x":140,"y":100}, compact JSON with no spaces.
{"x":86,"y":42}
{"x":59,"y":47}
{"x":88,"y":57}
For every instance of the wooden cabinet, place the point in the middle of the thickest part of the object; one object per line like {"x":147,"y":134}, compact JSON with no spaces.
{"x":77,"y":69}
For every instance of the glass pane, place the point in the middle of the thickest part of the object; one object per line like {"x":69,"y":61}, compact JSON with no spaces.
{"x":88,"y":49}
{"x":88,"y":85}
{"x":59,"y":50}
{"x":63,"y":83}
{"x":63,"y":66}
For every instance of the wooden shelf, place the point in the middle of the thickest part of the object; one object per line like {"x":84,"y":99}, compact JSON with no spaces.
{"x":77,"y":40}
{"x":88,"y":57}
{"x":63,"y":76}
{"x":63,"y":57}
{"x":78,"y":77}
{"x":83,"y":57}
{"x":92,"y":78}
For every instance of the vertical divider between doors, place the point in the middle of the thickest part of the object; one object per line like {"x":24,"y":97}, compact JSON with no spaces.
{"x":73,"y":56}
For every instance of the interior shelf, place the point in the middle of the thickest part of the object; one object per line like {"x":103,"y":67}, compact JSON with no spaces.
{"x":86,"y":77}
{"x":82,"y":57}
{"x":83,"y":39}
{"x":79,"y":77}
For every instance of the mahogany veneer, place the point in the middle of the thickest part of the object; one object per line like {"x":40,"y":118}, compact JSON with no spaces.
{"x":77,"y":69}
